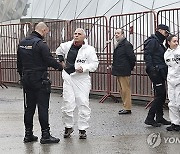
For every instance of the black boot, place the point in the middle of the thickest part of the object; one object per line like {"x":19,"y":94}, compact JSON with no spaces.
{"x":67,"y":132}
{"x":82,"y":134}
{"x":47,"y":138}
{"x":162,"y":121}
{"x":150,"y":120}
{"x":173,"y":127}
{"x":29,"y":137}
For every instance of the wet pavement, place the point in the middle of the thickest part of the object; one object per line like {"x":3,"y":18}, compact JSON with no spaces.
{"x":109,"y":133}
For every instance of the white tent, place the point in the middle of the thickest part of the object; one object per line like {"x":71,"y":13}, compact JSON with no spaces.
{"x":73,"y":9}
{"x":12,"y":9}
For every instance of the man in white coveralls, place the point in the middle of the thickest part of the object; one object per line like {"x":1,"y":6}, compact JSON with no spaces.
{"x":79,"y":59}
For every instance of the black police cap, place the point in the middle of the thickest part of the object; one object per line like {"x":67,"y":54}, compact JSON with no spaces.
{"x":163,"y":27}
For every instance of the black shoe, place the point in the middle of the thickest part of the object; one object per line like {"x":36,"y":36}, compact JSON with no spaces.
{"x":121,"y":110}
{"x":49,"y":140}
{"x":173,"y":127}
{"x":67,"y":132}
{"x":152,"y":123}
{"x":30,"y":138}
{"x":124,"y":112}
{"x":163,"y":121}
{"x":82,"y":134}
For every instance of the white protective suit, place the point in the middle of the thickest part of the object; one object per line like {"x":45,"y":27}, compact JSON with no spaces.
{"x":76,"y":86}
{"x":172,"y":59}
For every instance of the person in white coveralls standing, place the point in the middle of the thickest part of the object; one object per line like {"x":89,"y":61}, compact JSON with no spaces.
{"x":172,"y":59}
{"x":79,"y":59}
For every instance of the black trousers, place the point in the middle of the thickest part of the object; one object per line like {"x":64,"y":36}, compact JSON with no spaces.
{"x":40,"y":99}
{"x":36,"y":95}
{"x":159,"y":85}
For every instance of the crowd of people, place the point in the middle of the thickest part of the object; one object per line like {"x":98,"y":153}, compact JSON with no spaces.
{"x":76,"y":59}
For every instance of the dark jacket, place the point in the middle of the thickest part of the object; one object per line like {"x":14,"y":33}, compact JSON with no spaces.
{"x":123,"y":59}
{"x":33,"y":60}
{"x":154,"y":55}
{"x":34,"y":54}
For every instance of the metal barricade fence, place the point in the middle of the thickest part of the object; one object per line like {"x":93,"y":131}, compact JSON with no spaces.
{"x":1,"y":82}
{"x":100,"y":34}
{"x":171,"y":18}
{"x":10,"y":35}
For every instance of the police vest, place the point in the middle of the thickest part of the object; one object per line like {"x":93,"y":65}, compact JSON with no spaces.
{"x":27,"y":49}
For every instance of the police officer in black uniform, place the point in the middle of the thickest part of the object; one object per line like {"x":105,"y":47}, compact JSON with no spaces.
{"x":157,"y":71}
{"x":33,"y":60}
